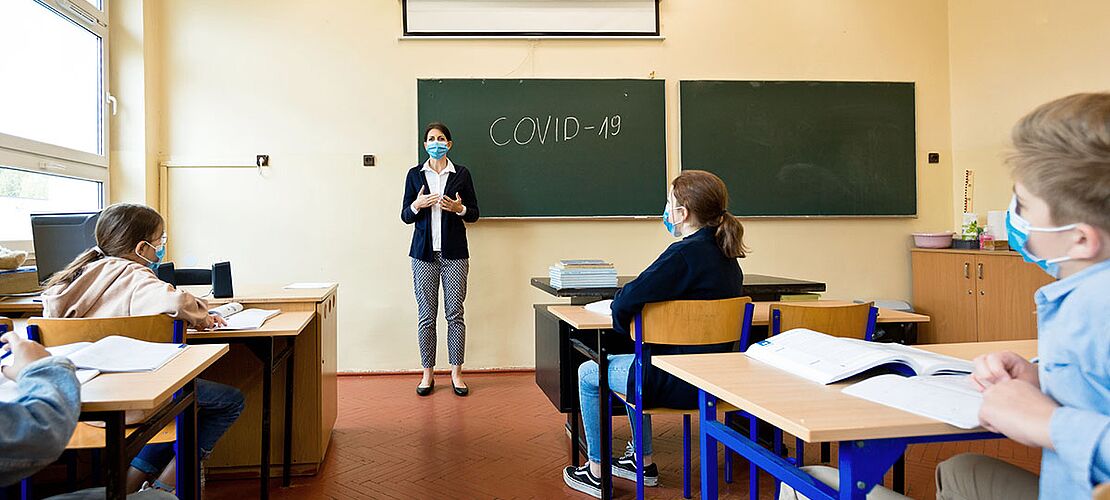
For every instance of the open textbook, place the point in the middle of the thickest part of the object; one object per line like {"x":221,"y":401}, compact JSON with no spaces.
{"x":9,"y":390}
{"x":826,"y":359}
{"x":239,"y":318}
{"x":948,"y":398}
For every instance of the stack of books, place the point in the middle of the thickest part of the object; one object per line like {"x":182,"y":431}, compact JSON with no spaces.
{"x":583,"y":273}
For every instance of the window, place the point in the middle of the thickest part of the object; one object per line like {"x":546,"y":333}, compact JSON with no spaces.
{"x":54,"y":121}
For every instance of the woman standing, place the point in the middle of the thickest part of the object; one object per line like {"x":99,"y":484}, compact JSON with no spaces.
{"x":439,"y":198}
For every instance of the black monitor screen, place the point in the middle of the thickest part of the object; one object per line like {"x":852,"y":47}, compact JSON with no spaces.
{"x":60,"y":238}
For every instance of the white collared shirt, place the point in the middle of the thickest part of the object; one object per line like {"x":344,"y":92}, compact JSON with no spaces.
{"x":436,"y":184}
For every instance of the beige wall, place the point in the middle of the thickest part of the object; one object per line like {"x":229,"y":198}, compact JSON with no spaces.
{"x":1007,"y":57}
{"x":317,"y":84}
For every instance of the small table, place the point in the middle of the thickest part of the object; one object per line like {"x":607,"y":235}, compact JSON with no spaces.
{"x":757,"y":286}
{"x":872,"y":436}
{"x":108,"y":396}
{"x":261,"y":342}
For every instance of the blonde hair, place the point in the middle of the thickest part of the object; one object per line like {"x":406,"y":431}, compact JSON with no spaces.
{"x":119,"y":229}
{"x":705,"y":196}
{"x":1062,"y":155}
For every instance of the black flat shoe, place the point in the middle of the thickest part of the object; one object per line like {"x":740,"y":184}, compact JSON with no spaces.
{"x":424,"y":391}
{"x":460,"y":391}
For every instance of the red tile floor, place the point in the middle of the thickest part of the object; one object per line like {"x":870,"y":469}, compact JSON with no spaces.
{"x":505,"y":441}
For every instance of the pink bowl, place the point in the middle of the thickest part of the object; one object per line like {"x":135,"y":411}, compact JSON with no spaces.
{"x":933,"y":240}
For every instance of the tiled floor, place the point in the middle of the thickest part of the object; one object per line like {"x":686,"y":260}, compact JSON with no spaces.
{"x":504,"y":441}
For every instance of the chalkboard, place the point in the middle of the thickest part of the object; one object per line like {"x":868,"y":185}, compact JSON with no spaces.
{"x":554,"y":148}
{"x":798,"y":148}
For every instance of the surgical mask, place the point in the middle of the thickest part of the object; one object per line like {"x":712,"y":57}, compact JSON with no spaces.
{"x":159,"y":254}
{"x":436,"y":149}
{"x":671,"y":227}
{"x":1018,"y":229}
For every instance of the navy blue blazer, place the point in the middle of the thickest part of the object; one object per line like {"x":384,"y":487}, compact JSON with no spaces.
{"x":452,"y":228}
{"x":694,"y":268}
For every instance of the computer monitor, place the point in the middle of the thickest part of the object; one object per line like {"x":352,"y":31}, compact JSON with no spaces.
{"x":60,"y":238}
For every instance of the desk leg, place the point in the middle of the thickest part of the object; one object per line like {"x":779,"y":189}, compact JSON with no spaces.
{"x":606,"y":420}
{"x":267,"y":401}
{"x":188,"y":463}
{"x":708,"y":406}
{"x":900,"y":475}
{"x":575,"y":450}
{"x":864,"y":463}
{"x":115,"y":455}
{"x":286,"y":471}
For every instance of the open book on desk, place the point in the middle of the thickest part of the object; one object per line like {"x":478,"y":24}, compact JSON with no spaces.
{"x":239,"y":318}
{"x":826,"y":359}
{"x":116,"y":354}
{"x":948,"y":398}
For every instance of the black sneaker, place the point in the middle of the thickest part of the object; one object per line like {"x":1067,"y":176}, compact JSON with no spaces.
{"x":582,"y":480}
{"x":625,"y":468}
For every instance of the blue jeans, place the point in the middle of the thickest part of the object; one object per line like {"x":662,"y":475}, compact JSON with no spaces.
{"x":218,"y":406}
{"x":619,"y":367}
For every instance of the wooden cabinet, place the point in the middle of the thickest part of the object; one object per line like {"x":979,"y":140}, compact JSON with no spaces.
{"x":974,"y":295}
{"x":314,"y":391}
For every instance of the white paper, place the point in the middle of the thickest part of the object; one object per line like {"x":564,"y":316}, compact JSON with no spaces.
{"x":602,"y":307}
{"x":227,"y":310}
{"x":307,"y":286}
{"x":948,"y":398}
{"x":123,"y":354}
{"x":249,"y":319}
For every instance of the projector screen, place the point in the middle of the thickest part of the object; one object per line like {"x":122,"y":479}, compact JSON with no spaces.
{"x":531,"y":18}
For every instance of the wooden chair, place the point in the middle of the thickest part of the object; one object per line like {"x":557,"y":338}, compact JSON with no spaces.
{"x":60,"y":331}
{"x":681,"y":322}
{"x":855,"y":321}
{"x":1102,"y":492}
{"x":6,"y":325}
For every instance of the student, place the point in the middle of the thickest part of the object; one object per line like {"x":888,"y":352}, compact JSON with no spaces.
{"x":439,"y":199}
{"x":702,"y":266}
{"x":115,"y":279}
{"x":36,"y":426}
{"x":1059,"y":219}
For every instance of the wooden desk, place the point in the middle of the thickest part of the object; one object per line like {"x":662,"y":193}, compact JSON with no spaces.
{"x":108,"y":396}
{"x":871,"y":436}
{"x":757,"y":286}
{"x":262,"y":342}
{"x":19,"y":306}
{"x":578,"y":317}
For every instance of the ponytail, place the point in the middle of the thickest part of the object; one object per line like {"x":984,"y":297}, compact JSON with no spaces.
{"x":73,"y":270}
{"x":730,"y":236}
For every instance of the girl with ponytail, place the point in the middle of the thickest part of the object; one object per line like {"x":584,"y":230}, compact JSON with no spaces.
{"x":701,"y":266}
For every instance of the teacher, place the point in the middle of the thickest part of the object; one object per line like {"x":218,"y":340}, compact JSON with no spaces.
{"x":439,"y":198}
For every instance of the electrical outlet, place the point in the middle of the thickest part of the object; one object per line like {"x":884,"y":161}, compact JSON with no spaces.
{"x":368,"y":160}
{"x":262,"y":160}
{"x":934,"y":157}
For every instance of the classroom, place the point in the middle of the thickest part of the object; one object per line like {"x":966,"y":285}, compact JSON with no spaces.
{"x":514,"y":207}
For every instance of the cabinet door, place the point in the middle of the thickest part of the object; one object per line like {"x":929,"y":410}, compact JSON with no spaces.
{"x":1004,"y":291}
{"x":328,"y":315}
{"x":943,"y":288}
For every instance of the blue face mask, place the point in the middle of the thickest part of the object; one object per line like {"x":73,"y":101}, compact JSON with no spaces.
{"x":436,"y":149}
{"x":1018,"y":229}
{"x":671,"y":227}
{"x":159,"y":254}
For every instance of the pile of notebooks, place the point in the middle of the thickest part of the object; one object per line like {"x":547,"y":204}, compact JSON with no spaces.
{"x":583,"y":273}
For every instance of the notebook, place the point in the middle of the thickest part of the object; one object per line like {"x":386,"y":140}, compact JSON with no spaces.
{"x":826,"y":359}
{"x":948,"y":398}
{"x":115,"y":353}
{"x":239,"y":318}
{"x":603,"y":307}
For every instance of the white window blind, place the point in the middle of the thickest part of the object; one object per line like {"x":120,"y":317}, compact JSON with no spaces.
{"x":531,"y":18}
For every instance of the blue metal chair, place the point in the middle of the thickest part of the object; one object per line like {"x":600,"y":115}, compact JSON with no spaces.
{"x":681,"y":322}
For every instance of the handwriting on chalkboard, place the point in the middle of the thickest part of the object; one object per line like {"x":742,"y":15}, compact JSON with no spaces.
{"x":528,"y":129}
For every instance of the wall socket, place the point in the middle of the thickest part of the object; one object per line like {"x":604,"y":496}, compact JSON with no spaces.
{"x":368,"y":160}
{"x":934,"y":157}
{"x":262,"y":160}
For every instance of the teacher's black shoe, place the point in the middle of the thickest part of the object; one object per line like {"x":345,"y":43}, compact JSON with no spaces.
{"x":424,"y":391}
{"x":460,"y":391}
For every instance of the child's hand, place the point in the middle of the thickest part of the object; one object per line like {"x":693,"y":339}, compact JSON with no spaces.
{"x":1020,"y":411}
{"x":213,"y":321}
{"x":999,"y":367}
{"x":24,"y":352}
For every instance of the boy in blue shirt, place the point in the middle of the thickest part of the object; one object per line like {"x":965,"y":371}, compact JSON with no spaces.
{"x":1059,"y":219}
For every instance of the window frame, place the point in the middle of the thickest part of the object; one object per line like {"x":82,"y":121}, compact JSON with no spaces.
{"x":33,"y":156}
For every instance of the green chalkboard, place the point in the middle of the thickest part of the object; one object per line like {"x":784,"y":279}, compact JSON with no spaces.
{"x":798,"y":148}
{"x":554,"y":148}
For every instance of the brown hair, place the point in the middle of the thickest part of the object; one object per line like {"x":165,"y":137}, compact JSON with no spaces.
{"x":436,"y":126}
{"x":119,"y":229}
{"x":705,"y":197}
{"x":1062,"y":155}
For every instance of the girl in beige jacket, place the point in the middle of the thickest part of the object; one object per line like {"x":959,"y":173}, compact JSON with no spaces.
{"x":115,"y":278}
